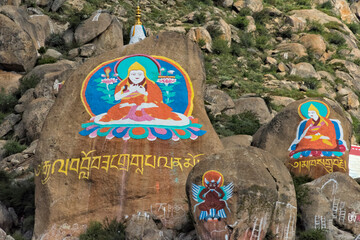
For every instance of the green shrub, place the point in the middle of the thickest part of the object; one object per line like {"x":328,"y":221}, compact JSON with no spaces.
{"x":327,"y":5}
{"x":7,"y":101}
{"x":335,"y":26}
{"x":315,"y":27}
{"x":55,"y":40}
{"x":243,"y":123}
{"x":313,"y":234}
{"x":335,"y":38}
{"x":237,"y":49}
{"x":214,"y":31}
{"x":11,"y":147}
{"x":113,"y":230}
{"x":356,"y":128}
{"x":42,"y":50}
{"x":220,"y":46}
{"x":27,"y":83}
{"x":46,"y":60}
{"x":311,"y":83}
{"x":354,"y":27}
{"x":246,"y":40}
{"x":18,"y":236}
{"x":262,"y":42}
{"x":357,"y":61}
{"x":240,"y":22}
{"x":201,"y":42}
{"x":199,"y":18}
{"x":245,"y":12}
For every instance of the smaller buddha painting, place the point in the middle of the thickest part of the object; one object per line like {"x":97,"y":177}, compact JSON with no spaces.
{"x":140,"y":96}
{"x":319,"y":140}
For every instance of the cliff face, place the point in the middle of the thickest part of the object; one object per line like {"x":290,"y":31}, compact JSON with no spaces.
{"x":241,"y":62}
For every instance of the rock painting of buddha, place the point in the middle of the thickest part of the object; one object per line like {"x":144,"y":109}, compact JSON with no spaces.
{"x":145,"y":97}
{"x":317,"y":135}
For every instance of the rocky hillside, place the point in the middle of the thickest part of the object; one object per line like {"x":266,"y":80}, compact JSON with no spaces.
{"x":259,"y":55}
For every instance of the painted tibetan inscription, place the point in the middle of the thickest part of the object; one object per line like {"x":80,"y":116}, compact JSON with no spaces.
{"x":140,"y":96}
{"x":212,"y":196}
{"x":319,"y":142}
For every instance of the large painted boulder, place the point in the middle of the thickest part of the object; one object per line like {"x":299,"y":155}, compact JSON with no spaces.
{"x":242,"y":193}
{"x":332,"y":203}
{"x":122,"y":136}
{"x":312,"y":136}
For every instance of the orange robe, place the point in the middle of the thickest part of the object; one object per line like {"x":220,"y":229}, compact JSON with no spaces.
{"x":325,"y":128}
{"x":162,"y":111}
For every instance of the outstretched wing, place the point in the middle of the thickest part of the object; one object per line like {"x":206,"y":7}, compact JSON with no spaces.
{"x":228,"y":190}
{"x":196,"y":190}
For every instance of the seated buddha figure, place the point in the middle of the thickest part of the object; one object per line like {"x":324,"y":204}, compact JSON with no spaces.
{"x":318,"y":134}
{"x":141,"y":99}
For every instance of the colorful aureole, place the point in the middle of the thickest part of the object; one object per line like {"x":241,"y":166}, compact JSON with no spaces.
{"x":140,"y":96}
{"x":319,"y":139}
{"x":212,"y":196}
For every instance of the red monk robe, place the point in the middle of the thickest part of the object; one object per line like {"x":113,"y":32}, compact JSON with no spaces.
{"x":141,"y":99}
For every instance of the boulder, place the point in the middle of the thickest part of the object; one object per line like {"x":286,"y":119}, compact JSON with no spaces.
{"x":236,"y":140}
{"x":8,"y":123}
{"x":292,"y":50}
{"x":281,"y":101}
{"x":326,"y":75}
{"x":251,"y":27}
{"x":87,"y":50}
{"x":321,"y":17}
{"x":145,"y":172}
{"x":342,"y":8}
{"x":27,"y":97}
{"x":355,"y":8}
{"x":223,"y":27}
{"x":217,"y":101}
{"x":146,"y":226}
{"x":19,"y":131}
{"x":34,"y":117}
{"x":315,"y":43}
{"x":39,"y":27}
{"x":43,"y":28}
{"x":56,"y":5}
{"x":254,"y":196}
{"x":17,"y":51}
{"x":306,"y":150}
{"x":297,"y":23}
{"x":254,"y":5}
{"x":10,"y":2}
{"x":354,"y":72}
{"x":92,"y":27}
{"x":6,"y":221}
{"x":256,"y":105}
{"x":53,"y":53}
{"x":227,"y":3}
{"x":111,"y":38}
{"x":332,"y":203}
{"x":9,"y":81}
{"x":304,"y":70}
{"x":198,"y":33}
{"x":2,"y":234}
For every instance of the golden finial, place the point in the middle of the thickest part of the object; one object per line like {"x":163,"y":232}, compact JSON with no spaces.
{"x":138,"y":16}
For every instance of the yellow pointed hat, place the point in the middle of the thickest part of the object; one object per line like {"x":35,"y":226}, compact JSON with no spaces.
{"x":313,"y":108}
{"x":136,"y":66}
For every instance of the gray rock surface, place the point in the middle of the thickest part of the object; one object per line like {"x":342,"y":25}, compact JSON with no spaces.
{"x":8,"y":123}
{"x":92,"y":27}
{"x":236,"y":140}
{"x":17,"y":51}
{"x":34,"y":117}
{"x":332,"y":203}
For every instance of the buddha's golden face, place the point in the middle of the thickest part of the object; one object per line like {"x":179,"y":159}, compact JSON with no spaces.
{"x":136,"y":76}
